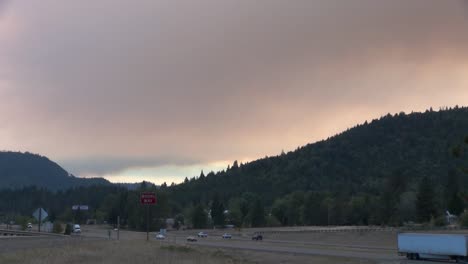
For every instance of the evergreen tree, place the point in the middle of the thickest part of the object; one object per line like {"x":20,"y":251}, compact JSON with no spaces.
{"x":425,"y":203}
{"x":455,"y":204}
{"x":178,"y":221}
{"x":257,"y":214}
{"x":451,"y":190}
{"x":238,"y":210}
{"x":217,"y":212}
{"x":199,"y":217}
{"x":220,"y":220}
{"x":390,"y":198}
{"x":311,"y":214}
{"x":279,"y":211}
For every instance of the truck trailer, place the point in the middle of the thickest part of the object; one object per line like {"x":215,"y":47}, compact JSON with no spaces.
{"x":433,"y":246}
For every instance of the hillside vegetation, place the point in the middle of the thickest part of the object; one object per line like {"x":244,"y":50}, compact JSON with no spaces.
{"x":369,"y":173}
{"x":25,"y":169}
{"x":399,"y":168}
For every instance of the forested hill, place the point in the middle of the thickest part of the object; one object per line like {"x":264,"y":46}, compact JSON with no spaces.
{"x":25,"y":169}
{"x":397,"y":149}
{"x":399,"y":168}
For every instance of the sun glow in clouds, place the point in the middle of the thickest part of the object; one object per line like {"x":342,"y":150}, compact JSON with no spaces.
{"x":166,"y":173}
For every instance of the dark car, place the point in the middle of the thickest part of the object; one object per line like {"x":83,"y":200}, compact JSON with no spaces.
{"x":191,"y":239}
{"x":257,"y":237}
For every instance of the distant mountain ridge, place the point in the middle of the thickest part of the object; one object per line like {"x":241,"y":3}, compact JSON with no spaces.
{"x":18,"y":169}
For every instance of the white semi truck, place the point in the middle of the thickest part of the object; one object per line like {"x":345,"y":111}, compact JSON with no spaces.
{"x":433,"y":246}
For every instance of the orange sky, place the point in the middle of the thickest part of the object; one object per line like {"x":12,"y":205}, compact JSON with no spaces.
{"x":159,"y":90}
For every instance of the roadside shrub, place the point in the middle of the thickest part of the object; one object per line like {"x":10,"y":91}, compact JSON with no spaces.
{"x":22,"y":221}
{"x":57,"y":228}
{"x":272,"y":221}
{"x":175,"y":248}
{"x":463,"y":220}
{"x":24,"y":225}
{"x":68,"y":229}
{"x":438,"y":221}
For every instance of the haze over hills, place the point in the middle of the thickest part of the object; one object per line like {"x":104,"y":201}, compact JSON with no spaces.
{"x":26,"y":169}
{"x":358,"y":159}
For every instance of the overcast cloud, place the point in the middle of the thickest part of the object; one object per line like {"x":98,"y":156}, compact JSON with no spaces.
{"x":105,"y":87}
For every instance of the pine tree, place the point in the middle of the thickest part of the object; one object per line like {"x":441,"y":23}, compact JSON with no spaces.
{"x":199,"y":219}
{"x":455,"y":204}
{"x":217,"y":211}
{"x":257,"y":214}
{"x":311,"y":214}
{"x":425,"y":203}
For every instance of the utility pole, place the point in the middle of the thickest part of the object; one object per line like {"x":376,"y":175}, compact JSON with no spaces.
{"x":118,"y":227}
{"x":40,"y":220}
{"x":147,"y":222}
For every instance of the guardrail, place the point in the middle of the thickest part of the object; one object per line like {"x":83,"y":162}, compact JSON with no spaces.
{"x":10,"y":232}
{"x":433,"y":228}
{"x":331,"y":230}
{"x":363,"y":229}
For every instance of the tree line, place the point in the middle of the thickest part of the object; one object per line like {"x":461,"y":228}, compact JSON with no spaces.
{"x":398,"y":169}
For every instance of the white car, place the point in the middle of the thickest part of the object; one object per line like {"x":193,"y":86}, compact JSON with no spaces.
{"x":29,"y":226}
{"x":160,"y":237}
{"x":202,"y":234}
{"x":76,"y":229}
{"x":227,"y":236}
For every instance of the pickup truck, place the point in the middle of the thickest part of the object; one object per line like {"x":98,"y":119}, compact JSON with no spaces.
{"x":76,"y":229}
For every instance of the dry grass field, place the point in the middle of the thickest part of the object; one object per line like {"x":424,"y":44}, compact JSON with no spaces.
{"x":115,"y":252}
{"x":90,"y":252}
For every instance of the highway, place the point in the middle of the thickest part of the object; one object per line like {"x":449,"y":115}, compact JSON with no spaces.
{"x":371,"y":250}
{"x":378,"y":247}
{"x":291,"y":247}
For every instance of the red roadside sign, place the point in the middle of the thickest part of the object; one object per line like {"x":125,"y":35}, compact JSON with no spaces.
{"x":148,"y":198}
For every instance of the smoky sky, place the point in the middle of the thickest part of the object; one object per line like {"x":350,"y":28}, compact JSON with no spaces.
{"x":101,"y":86}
